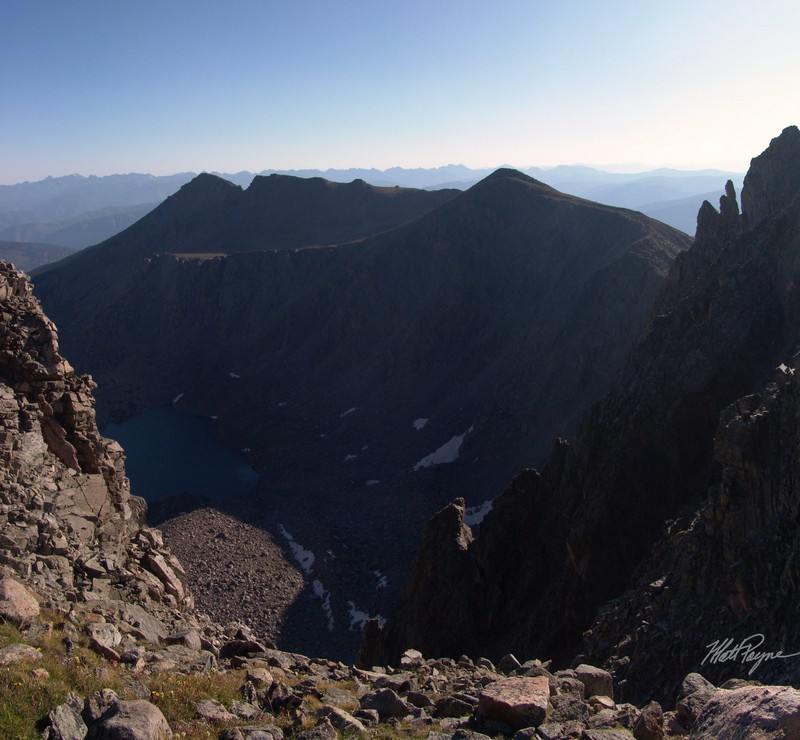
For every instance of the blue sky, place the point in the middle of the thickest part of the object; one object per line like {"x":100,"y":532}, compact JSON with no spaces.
{"x":104,"y":86}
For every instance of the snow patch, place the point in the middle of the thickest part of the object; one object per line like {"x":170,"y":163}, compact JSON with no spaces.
{"x":213,"y":417}
{"x":351,"y":457}
{"x":345,"y":413}
{"x":177,"y":398}
{"x":305,"y":558}
{"x":245,"y":449}
{"x":282,"y":403}
{"x":234,"y":375}
{"x":373,"y":482}
{"x":325,"y":597}
{"x":474,"y":515}
{"x":447,"y":453}
{"x":419,"y":424}
{"x":358,"y":617}
{"x":383,"y":580}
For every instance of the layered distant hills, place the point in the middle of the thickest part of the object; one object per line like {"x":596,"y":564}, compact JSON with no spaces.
{"x":374,"y":349}
{"x":28,"y":256}
{"x":76,"y":211}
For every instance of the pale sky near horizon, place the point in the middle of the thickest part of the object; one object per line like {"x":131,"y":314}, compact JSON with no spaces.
{"x":97,"y":87}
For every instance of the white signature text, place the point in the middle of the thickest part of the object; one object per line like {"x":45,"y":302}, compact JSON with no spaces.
{"x":746,"y":652}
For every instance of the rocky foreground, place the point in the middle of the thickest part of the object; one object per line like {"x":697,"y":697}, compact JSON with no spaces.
{"x":280,"y":694}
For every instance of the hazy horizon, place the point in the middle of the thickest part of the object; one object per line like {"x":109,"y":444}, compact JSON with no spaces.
{"x":612,"y":169}
{"x":100,"y":88}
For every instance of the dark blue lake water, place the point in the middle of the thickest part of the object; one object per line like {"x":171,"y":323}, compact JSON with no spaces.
{"x":169,"y":453}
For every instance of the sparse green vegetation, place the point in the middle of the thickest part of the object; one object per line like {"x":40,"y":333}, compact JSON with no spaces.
{"x":30,"y":689}
{"x":176,"y":695}
{"x":27,"y":694}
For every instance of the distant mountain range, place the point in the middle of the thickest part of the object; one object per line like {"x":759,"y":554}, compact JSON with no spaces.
{"x":77,"y":211}
{"x":374,"y":348}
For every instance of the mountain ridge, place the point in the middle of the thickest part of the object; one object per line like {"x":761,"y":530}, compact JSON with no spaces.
{"x":37,"y":209}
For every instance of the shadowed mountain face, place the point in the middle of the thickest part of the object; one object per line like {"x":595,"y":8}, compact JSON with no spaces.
{"x":560,"y":543}
{"x":370,"y":380}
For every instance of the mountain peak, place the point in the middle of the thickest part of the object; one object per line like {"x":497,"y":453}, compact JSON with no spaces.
{"x":773,"y":180}
{"x":208,"y":185}
{"x":504,"y":173}
{"x":509,"y":173}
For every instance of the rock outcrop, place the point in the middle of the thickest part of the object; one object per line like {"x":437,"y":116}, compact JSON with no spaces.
{"x":732,"y":565}
{"x":69,"y":526}
{"x":560,"y":543}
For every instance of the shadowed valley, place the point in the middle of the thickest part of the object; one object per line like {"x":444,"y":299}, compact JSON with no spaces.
{"x":497,"y":317}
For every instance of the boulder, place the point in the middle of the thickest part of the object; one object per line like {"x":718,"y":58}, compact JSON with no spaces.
{"x":567,"y":707}
{"x":368,"y":717}
{"x":188,"y":638}
{"x":65,"y":723}
{"x":213,"y":711}
{"x":18,"y":652}
{"x":259,"y":677}
{"x":98,"y":704}
{"x":245,"y":710}
{"x":695,"y":695}
{"x":763,"y":712}
{"x":104,"y":633}
{"x":451,"y":706}
{"x":343,"y":721}
{"x":508,"y":664}
{"x":650,"y":723}
{"x":595,"y":680}
{"x":694,"y":682}
{"x":519,"y":702}
{"x":132,"y":720}
{"x":419,"y":699}
{"x":157,"y":564}
{"x":386,"y":703}
{"x":399,"y":682}
{"x":18,"y":605}
{"x":546,"y":731}
{"x":411,"y":659}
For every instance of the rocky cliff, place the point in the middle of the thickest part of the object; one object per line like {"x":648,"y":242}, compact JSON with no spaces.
{"x":68,"y":523}
{"x":561,"y":542}
{"x":719,"y":593}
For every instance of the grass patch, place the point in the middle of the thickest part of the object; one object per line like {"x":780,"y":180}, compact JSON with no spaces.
{"x":176,"y":695}
{"x":25,"y":698}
